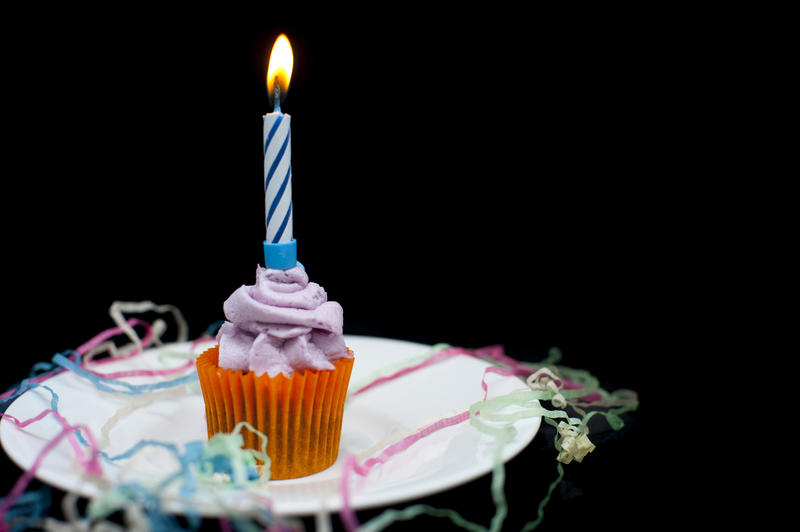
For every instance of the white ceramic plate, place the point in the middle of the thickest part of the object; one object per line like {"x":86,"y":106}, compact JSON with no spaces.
{"x":378,"y":417}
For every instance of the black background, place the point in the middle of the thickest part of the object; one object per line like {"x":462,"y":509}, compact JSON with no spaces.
{"x":472,"y":178}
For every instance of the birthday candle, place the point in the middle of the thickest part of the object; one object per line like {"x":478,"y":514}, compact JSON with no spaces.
{"x":278,"y":147}
{"x":278,"y":176}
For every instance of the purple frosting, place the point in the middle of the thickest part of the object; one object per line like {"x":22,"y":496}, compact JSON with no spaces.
{"x":282,"y":324}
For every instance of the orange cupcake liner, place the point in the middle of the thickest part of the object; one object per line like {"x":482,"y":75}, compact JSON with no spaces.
{"x":301,"y":415}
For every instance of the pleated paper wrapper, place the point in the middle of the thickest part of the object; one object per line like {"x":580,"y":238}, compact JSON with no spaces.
{"x":301,"y":415}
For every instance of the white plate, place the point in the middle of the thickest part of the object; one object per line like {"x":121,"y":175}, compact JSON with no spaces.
{"x":378,"y":417}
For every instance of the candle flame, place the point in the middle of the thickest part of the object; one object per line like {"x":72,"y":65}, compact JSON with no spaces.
{"x":279,"y":68}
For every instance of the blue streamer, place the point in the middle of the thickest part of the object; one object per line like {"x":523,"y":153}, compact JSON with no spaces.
{"x":26,"y":385}
{"x":32,"y":506}
{"x":213,"y":328}
{"x":105,"y":384}
{"x":29,"y":508}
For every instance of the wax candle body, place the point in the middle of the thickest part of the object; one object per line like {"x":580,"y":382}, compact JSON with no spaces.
{"x":278,"y":176}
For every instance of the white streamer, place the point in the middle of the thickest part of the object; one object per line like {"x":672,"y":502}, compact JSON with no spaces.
{"x":119,"y":307}
{"x":545,"y":379}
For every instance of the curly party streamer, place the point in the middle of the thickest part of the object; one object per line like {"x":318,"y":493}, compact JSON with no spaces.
{"x":574,"y":444}
{"x":221,"y":461}
{"x":108,"y":384}
{"x":118,"y":308}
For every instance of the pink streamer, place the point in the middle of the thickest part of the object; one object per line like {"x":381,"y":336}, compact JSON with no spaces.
{"x":408,"y":441}
{"x":92,"y":466}
{"x":113,"y":331}
{"x":347,"y":514}
{"x":495,"y":353}
{"x":499,"y":371}
{"x":70,"y":437}
{"x":351,"y":465}
{"x":439,"y":355}
{"x":105,"y":335}
{"x":83,"y":349}
{"x":145,"y":342}
{"x":145,"y":372}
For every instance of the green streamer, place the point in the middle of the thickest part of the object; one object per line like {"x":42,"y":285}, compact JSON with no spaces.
{"x":553,"y":357}
{"x":486,"y":416}
{"x":531,"y":525}
{"x":388,"y":517}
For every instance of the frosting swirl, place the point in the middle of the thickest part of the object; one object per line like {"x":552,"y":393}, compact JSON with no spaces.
{"x":281,"y":324}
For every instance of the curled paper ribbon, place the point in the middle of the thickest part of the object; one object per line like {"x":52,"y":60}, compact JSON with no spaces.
{"x":222,"y":462}
{"x":138,"y":307}
{"x":545,"y":379}
{"x":574,"y":444}
{"x":489,"y":416}
{"x":221,"y":449}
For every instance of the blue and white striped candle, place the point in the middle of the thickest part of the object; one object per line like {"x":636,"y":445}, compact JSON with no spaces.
{"x":278,"y":146}
{"x":278,"y":176}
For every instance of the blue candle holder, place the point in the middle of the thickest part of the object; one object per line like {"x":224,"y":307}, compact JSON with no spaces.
{"x":280,"y":255}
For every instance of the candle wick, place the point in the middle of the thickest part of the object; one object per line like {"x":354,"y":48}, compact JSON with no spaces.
{"x":276,"y":96}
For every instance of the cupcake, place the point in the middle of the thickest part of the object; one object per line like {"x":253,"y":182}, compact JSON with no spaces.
{"x":280,"y":364}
